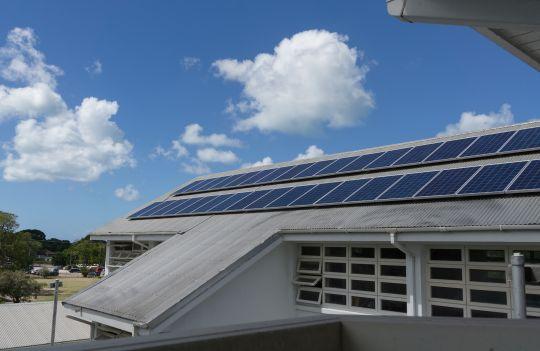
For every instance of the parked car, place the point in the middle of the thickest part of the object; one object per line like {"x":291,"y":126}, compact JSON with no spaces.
{"x":95,"y":271}
{"x":74,"y":270}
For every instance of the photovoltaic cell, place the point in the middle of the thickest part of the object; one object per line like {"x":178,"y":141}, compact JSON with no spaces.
{"x":164,"y":204}
{"x":180,"y":206}
{"x":187,"y":187}
{"x":167,"y":205}
{"x":204,"y":185}
{"x":294,"y":171}
{"x":290,"y":196}
{"x":373,"y":189}
{"x":262,"y":174}
{"x":487,"y":144}
{"x":492,"y":178}
{"x":212,"y":184}
{"x":228,"y":202}
{"x":268,"y":198}
{"x":313,"y":169}
{"x":337,"y":165}
{"x":247,"y":200}
{"x":189,"y":205}
{"x":231,"y":180}
{"x":529,"y":179}
{"x":207,"y":206}
{"x":343,"y":191}
{"x":447,"y":182}
{"x":147,"y":208}
{"x":450,"y":149}
{"x":240,"y":179}
{"x":388,"y":158}
{"x":360,"y":163}
{"x":524,"y":139}
{"x":201,"y":202}
{"x":220,"y":182}
{"x":270,"y":177}
{"x":315,"y":194}
{"x":417,"y":154}
{"x":408,"y":185}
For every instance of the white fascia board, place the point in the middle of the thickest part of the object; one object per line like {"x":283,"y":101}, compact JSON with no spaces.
{"x":85,"y":315}
{"x":129,"y":237}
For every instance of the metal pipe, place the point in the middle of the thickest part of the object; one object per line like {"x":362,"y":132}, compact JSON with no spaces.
{"x":55,"y":307}
{"x":519,"y":305}
{"x":411,"y":275}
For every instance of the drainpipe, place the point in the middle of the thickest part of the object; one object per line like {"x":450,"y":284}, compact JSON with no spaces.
{"x":411,"y":276}
{"x":519,"y":307}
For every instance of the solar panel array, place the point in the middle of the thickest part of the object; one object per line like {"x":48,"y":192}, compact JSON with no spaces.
{"x":477,"y":180}
{"x":493,"y":144}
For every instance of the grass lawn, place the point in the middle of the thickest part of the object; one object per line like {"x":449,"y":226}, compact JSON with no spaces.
{"x":71,"y":286}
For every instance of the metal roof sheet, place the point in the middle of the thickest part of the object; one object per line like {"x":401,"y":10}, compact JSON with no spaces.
{"x":28,"y":324}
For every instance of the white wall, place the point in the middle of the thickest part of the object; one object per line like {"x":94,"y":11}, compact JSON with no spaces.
{"x":262,"y":292}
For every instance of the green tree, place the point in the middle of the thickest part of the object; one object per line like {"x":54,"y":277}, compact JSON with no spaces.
{"x":17,"y":250}
{"x":36,"y":234}
{"x":86,"y":252}
{"x":18,"y":286}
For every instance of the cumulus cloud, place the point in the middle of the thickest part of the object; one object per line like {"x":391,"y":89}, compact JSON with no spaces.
{"x":311,"y":152}
{"x":471,"y":121}
{"x":212,"y":155}
{"x":190,"y":62}
{"x":193,"y":136}
{"x":195,"y":166}
{"x":95,"y":68}
{"x":311,"y":80}
{"x":127,"y":193}
{"x":264,"y":162}
{"x":54,"y":141}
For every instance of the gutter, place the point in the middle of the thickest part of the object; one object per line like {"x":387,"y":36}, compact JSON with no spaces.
{"x":501,"y":228}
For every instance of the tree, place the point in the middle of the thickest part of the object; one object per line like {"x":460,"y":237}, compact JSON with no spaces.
{"x":36,"y":234}
{"x":86,"y":252}
{"x":17,"y":250}
{"x":18,"y":286}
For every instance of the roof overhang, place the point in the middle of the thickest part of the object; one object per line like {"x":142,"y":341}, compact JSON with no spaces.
{"x":513,"y":25}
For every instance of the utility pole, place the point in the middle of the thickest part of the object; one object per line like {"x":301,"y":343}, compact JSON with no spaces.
{"x":55,"y":305}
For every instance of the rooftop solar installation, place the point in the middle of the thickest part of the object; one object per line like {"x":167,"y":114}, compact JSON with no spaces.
{"x":337,"y":165}
{"x":217,"y":200}
{"x":290,"y":196}
{"x":493,"y":178}
{"x":262,"y":174}
{"x":388,"y":158}
{"x":524,"y":139}
{"x":529,"y":179}
{"x":373,"y":189}
{"x":450,"y":149}
{"x":487,"y":144}
{"x":409,"y":185}
{"x":314,"y":169}
{"x":273,"y":175}
{"x":247,"y":200}
{"x":360,"y":162}
{"x":448,"y":182}
{"x":228,"y":202}
{"x":294,"y":171}
{"x":417,"y":154}
{"x":273,"y":195}
{"x":343,"y":191}
{"x":314,"y":194}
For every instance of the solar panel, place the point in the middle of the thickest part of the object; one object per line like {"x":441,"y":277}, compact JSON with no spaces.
{"x":230,"y":180}
{"x":313,"y":169}
{"x":180,"y":206}
{"x":145,"y":209}
{"x":388,"y":158}
{"x":240,"y":179}
{"x":196,"y":205}
{"x":247,"y":200}
{"x":195,"y":185}
{"x":337,"y":165}
{"x":487,"y":144}
{"x":262,"y":174}
{"x":167,"y":205}
{"x":373,"y":189}
{"x":207,"y":206}
{"x":447,"y":182}
{"x":343,"y":191}
{"x":315,"y":194}
{"x":228,"y":202}
{"x":524,"y":139}
{"x":212,"y":185}
{"x":408,"y":185}
{"x":268,"y":198}
{"x":164,"y":204}
{"x":187,"y":187}
{"x":290,"y":196}
{"x":294,"y":171}
{"x":271,"y":176}
{"x":360,"y":162}
{"x":417,"y":154}
{"x":493,"y":178}
{"x":529,"y":179}
{"x":450,"y":149}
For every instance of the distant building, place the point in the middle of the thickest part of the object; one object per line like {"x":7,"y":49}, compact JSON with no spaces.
{"x":422,"y":228}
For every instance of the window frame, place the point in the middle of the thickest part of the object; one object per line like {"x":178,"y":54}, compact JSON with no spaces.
{"x":300,"y":271}
{"x":298,"y":299}
{"x":489,"y":305}
{"x":316,"y":277}
{"x":325,"y":261}
{"x":310,"y":245}
{"x":445,"y":281}
{"x":443,"y":262}
{"x":445,"y":304}
{"x":325,"y":257}
{"x":449,"y":301}
{"x":476,"y":263}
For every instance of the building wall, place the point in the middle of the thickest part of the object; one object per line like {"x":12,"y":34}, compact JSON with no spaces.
{"x":262,"y":292}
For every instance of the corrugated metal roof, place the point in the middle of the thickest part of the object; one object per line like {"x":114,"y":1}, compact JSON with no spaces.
{"x":153,"y":283}
{"x":27,"y":324}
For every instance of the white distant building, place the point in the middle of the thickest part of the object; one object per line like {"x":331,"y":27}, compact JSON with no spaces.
{"x":423,"y":228}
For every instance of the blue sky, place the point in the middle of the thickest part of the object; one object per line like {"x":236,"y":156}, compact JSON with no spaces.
{"x":348,"y":77}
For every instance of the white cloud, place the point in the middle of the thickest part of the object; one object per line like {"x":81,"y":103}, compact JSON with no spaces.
{"x":176,"y":151}
{"x":210,"y":154}
{"x":195,"y":167}
{"x":127,"y":193}
{"x":311,"y":152}
{"x":95,"y":68}
{"x":192,"y":136}
{"x":264,"y":162}
{"x":190,"y":62}
{"x":21,"y":62}
{"x":470,"y":121}
{"x":311,"y":80}
{"x":53,"y":141}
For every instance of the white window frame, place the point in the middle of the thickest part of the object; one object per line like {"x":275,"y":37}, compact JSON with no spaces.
{"x":393,"y":313}
{"x":316,"y":278}
{"x":489,"y":288}
{"x":389,"y":260}
{"x":308,"y":256}
{"x":332,"y":276}
{"x":476,"y":263}
{"x":486,"y":268}
{"x":335,"y":260}
{"x":470,"y":308}
{"x":442,"y":262}
{"x":363,"y":292}
{"x":446,"y":304}
{"x":331,"y":258}
{"x":302,"y":271}
{"x":363,"y":309}
{"x":334,"y":292}
{"x":374,"y":264}
{"x":449,"y":301}
{"x":318,"y":290}
{"x":390,"y":295}
{"x":391,"y":277}
{"x":364,"y":259}
{"x":445,"y":281}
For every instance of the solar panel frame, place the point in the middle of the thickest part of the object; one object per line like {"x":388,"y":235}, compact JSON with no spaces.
{"x":408,"y":186}
{"x":314,"y":169}
{"x":290,"y":196}
{"x":314,"y":194}
{"x":246,"y":201}
{"x":373,"y":189}
{"x":343,"y":191}
{"x":492,"y":178}
{"x":529,"y":179}
{"x":524,"y":139}
{"x":335,"y":166}
{"x":269,"y":197}
{"x":388,"y":158}
{"x":222,"y":206}
{"x":417,"y":154}
{"x":360,"y":163}
{"x":487,"y":144}
{"x":450,"y":149}
{"x":448,"y":182}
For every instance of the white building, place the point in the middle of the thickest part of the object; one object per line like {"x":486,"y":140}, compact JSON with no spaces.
{"x":421,"y":228}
